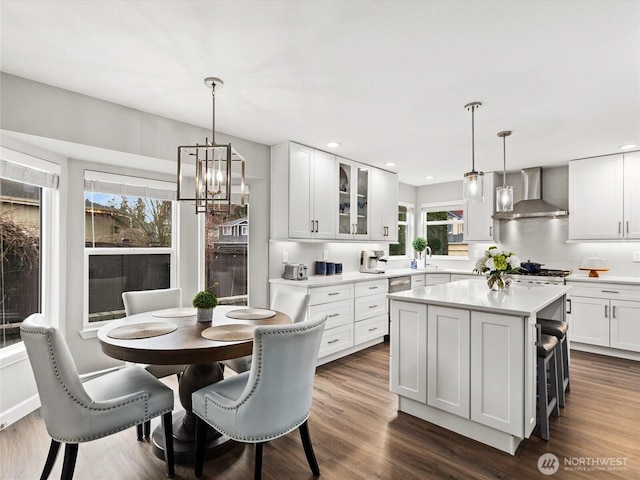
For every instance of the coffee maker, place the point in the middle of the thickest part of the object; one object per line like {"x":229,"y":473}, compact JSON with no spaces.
{"x":370,"y":261}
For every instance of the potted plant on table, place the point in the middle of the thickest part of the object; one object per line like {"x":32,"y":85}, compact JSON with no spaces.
{"x":496,"y":264}
{"x":419,"y":244}
{"x":205,"y":302}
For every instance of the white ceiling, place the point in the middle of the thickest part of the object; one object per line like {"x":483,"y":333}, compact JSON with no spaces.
{"x":389,"y":80}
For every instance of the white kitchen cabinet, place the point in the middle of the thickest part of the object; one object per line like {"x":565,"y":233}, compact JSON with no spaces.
{"x":384,"y":206}
{"x":437,"y":278}
{"x":605,"y":315}
{"x":501,"y":375}
{"x":448,"y":334}
{"x":371,"y":310}
{"x":408,"y":363}
{"x":479,"y":225}
{"x":419,"y":280}
{"x":302,"y":206}
{"x":354,"y":186}
{"x":604,"y":203}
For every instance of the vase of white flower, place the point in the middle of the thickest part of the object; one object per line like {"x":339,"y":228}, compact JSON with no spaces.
{"x":497,"y":264}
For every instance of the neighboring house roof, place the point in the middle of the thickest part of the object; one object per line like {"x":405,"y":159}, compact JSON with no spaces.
{"x":236,"y":221}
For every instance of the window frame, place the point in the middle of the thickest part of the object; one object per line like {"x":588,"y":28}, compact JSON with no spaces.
{"x":440,"y":206}
{"x":49,"y":247}
{"x":89,"y":328}
{"x":410,"y":223}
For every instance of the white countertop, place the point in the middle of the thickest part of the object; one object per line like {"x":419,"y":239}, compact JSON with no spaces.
{"x":603,"y":278}
{"x":326,"y":280}
{"x":473,"y":294}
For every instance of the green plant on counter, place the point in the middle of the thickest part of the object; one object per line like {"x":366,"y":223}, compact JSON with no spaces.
{"x":205,"y":299}
{"x":419,"y":244}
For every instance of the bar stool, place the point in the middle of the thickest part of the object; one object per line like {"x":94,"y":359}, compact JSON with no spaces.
{"x":547,"y":374}
{"x":559,"y":330}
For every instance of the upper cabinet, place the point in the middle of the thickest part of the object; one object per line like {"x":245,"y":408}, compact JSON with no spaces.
{"x":300,"y":180}
{"x":354,"y":187}
{"x":384,"y":206}
{"x":479,"y":225}
{"x":603,"y":202}
{"x":315,"y":195}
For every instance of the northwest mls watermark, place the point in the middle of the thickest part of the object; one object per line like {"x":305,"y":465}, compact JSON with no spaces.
{"x":548,"y":464}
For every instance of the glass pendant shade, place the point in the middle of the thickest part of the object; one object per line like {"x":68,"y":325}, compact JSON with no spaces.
{"x":472,"y":182}
{"x":504,"y":199}
{"x":472,"y":187}
{"x":504,"y":193}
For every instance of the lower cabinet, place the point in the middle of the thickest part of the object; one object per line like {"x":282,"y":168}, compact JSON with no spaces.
{"x":605,"y":315}
{"x":476,"y":365}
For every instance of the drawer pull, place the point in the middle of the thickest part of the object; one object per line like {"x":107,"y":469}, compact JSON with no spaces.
{"x":569,"y":305}
{"x":333,"y":315}
{"x":333,"y":341}
{"x":609,"y":291}
{"x":373,"y":306}
{"x":334,"y":293}
{"x":372,"y":288}
{"x":606,"y":311}
{"x":373,"y":328}
{"x":613,"y":312}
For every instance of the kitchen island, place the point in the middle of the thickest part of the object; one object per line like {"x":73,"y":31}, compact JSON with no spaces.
{"x":464,"y":357}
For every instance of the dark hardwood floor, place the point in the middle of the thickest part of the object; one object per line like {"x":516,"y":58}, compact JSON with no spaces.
{"x":358,"y":434}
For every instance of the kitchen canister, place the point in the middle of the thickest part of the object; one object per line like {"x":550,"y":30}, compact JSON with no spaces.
{"x":321,"y":268}
{"x":338,"y":268}
{"x":331,"y":268}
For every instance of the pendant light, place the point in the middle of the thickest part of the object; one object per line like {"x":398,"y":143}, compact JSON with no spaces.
{"x":473,"y":180}
{"x":504,"y":193}
{"x":208,"y":169}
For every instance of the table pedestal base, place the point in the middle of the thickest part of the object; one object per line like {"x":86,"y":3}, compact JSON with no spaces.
{"x":184,"y":441}
{"x":193,"y":378}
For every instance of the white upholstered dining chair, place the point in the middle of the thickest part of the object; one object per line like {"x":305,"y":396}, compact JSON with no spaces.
{"x":292,"y":304}
{"x":148,"y":301}
{"x":271,"y":399}
{"x":76,"y":412}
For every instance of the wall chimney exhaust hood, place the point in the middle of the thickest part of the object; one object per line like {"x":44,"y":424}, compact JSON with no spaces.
{"x":532,"y":206}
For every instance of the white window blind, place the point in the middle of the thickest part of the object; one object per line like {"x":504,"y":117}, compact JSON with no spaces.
{"x":18,"y":172}
{"x":128,"y":186}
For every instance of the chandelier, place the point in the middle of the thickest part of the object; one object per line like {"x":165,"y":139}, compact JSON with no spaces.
{"x":472,"y":181}
{"x":210,"y":170}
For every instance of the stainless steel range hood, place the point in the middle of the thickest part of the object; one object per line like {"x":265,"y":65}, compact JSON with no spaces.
{"x":532,"y":206}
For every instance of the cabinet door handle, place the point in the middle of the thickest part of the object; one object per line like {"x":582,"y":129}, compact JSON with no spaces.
{"x":311,"y":226}
{"x":627,"y":226}
{"x":490,"y":231}
{"x":569,"y":305}
{"x":317,"y":226}
{"x":538,"y":334}
{"x":613,"y":312}
{"x":619,"y":228}
{"x":606,"y":311}
{"x":334,"y":340}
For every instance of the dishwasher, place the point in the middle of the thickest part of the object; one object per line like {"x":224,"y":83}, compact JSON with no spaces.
{"x":397,"y":284}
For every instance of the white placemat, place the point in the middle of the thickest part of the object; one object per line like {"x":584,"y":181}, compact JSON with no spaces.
{"x":251,"y":314}
{"x":142,"y":330}
{"x":174,"y":313}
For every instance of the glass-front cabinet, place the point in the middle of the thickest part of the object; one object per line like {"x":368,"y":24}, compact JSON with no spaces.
{"x":353,"y":199}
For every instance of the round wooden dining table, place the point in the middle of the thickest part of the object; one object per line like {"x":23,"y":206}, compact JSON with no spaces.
{"x":185,"y":345}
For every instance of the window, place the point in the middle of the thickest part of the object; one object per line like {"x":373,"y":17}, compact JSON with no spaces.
{"x":26,"y":206}
{"x":405,"y":230}
{"x":226,"y":255}
{"x":443,"y":227}
{"x":128,"y":240}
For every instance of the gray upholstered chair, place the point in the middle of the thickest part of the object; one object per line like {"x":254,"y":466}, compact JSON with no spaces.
{"x":147,"y":301}
{"x":76,"y":412}
{"x":271,"y":399}
{"x":293,"y":304}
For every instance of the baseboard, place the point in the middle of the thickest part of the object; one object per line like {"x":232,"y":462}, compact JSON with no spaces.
{"x":610,"y":352}
{"x":19,"y":411}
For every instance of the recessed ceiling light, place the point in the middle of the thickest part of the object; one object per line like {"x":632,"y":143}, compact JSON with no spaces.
{"x":389,"y":164}
{"x":628,"y":146}
{"x":333,"y":144}
{"x":429,"y":177}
